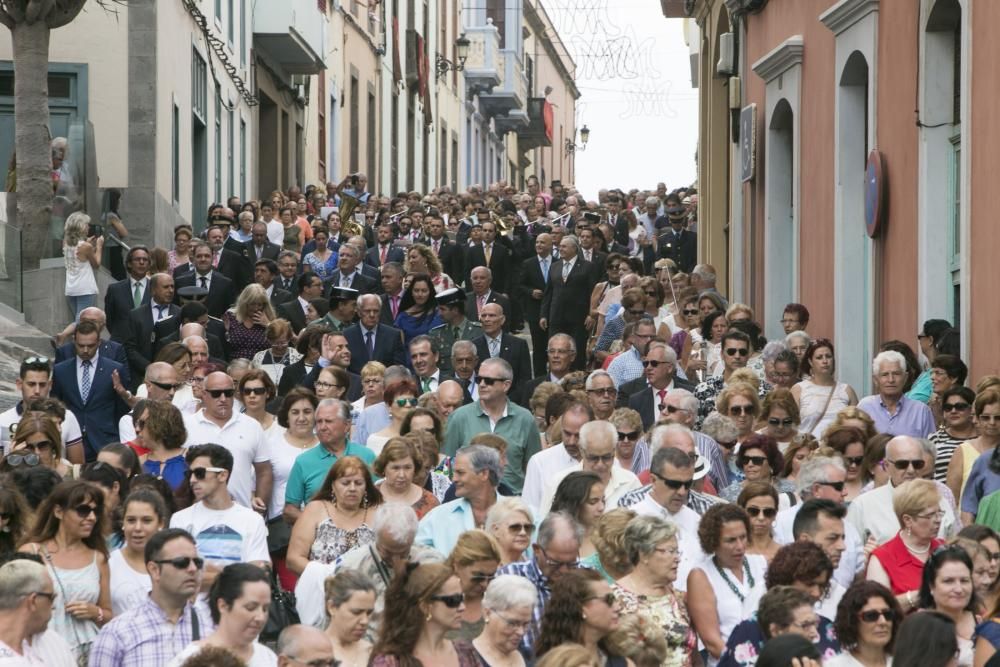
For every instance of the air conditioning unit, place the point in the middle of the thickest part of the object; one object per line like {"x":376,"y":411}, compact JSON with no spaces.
{"x":727,"y":59}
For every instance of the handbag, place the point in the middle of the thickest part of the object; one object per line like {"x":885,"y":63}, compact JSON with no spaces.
{"x":282,"y":612}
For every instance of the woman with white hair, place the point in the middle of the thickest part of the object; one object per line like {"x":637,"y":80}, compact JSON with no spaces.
{"x":511,"y":522}
{"x":507,"y":607}
{"x":81,"y":255}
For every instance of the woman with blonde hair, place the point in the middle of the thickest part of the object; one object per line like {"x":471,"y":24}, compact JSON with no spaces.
{"x":739,"y":401}
{"x":81,"y":256}
{"x":856,"y":417}
{"x":373,"y":385}
{"x":511,"y":523}
{"x":420,"y":259}
{"x":474,"y":560}
{"x":279,"y":355}
{"x":246,"y":323}
{"x":610,"y":556}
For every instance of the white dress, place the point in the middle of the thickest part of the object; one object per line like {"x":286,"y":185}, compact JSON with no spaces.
{"x":730,"y":609}
{"x":812,"y":398}
{"x":845,"y":659}
{"x":80,"y":280}
{"x":128,"y":587}
{"x":262,"y":656}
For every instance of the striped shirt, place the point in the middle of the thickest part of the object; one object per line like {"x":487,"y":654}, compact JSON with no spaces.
{"x":145,"y":637}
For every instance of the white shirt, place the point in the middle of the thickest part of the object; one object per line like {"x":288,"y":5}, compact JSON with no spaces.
{"x":262,"y":656}
{"x":47,"y":649}
{"x":275,"y":232}
{"x":223,"y":537}
{"x":852,"y":561}
{"x":242,"y":436}
{"x":207,"y":277}
{"x":687,"y":521}
{"x":432,"y":381}
{"x":70,"y":428}
{"x":872,"y":511}
{"x":283,"y":456}
{"x":155,"y":308}
{"x":128,"y":587}
{"x":144,"y":282}
{"x":622,"y":481}
{"x":543,"y":466}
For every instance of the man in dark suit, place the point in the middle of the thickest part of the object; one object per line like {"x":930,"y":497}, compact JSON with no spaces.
{"x":564,"y":306}
{"x":288,"y":271}
{"x":127,"y":294}
{"x":174,"y":329}
{"x":493,"y":254}
{"x":369,"y":340}
{"x":483,"y":293}
{"x":259,"y":247}
{"x":384,"y":251}
{"x":84,"y":384}
{"x":233,"y":265}
{"x":109,"y":349}
{"x":310,"y":286}
{"x":264,"y":273}
{"x":495,"y":343}
{"x":561,"y":353}
{"x":448,"y":253}
{"x":142,"y":320}
{"x":660,"y":363}
{"x":534,"y":277}
{"x":349,"y":273}
{"x":221,"y":293}
{"x":590,"y":252}
{"x":392,"y":291}
{"x":678,"y":243}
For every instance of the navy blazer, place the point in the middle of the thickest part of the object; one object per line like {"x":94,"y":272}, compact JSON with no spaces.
{"x":108,"y":348}
{"x":99,"y":415}
{"x":388,"y":347}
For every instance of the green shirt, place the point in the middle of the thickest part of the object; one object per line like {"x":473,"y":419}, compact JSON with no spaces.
{"x":517,"y":426}
{"x":310,"y":469}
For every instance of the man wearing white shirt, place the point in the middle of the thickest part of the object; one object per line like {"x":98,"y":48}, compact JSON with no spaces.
{"x":549,"y":462}
{"x":241,"y":435}
{"x":27,"y":595}
{"x":822,"y":523}
{"x":672,"y":471}
{"x":161,"y":384}
{"x":598,"y":440}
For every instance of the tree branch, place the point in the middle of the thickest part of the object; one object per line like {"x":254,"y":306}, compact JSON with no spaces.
{"x":64,"y":13}
{"x":6,"y":18}
{"x":38,"y":9}
{"x":13,"y":9}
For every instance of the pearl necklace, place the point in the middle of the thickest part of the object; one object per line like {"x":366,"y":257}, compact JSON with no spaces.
{"x":729,"y":582}
{"x":916,"y":551}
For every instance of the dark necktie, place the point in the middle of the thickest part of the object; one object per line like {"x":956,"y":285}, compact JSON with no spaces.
{"x":370,"y":344}
{"x":204,"y":282}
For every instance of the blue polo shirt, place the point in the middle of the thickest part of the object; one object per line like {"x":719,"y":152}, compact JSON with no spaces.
{"x":310,"y":469}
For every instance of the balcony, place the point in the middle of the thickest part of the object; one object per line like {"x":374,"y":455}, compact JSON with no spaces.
{"x":511,"y":92}
{"x":292,"y":33}
{"x":537,"y":134}
{"x":482,"y":67}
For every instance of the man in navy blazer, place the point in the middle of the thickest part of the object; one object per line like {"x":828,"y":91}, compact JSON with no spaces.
{"x":386,"y":342}
{"x":384,"y":250}
{"x":108,"y":349}
{"x":84,"y":383}
{"x":119,"y":300}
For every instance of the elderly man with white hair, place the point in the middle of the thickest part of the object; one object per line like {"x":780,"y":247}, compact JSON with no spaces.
{"x":26,"y":602}
{"x":893,"y":412}
{"x":681,"y":407}
{"x":395,"y":526}
{"x":598,"y":440}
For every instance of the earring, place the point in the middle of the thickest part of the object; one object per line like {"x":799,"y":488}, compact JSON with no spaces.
{"x":429,"y":617}
{"x":364,"y":502}
{"x":585,"y":617}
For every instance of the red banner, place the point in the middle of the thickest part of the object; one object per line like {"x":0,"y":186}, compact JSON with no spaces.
{"x":548,"y":118}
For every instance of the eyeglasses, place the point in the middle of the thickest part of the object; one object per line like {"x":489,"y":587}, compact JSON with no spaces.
{"x":872,"y":615}
{"x":631,"y":435}
{"x":559,"y":352}
{"x":200,"y":473}
{"x":988,"y":419}
{"x":516,"y":625}
{"x":755,"y":460}
{"x":932,"y":515}
{"x":166,"y":386}
{"x":255,"y":391}
{"x":653,"y":362}
{"x":671,"y":409}
{"x":557,"y":564}
{"x":994,"y":556}
{"x":490,"y":381}
{"x":806,"y":625}
{"x":412,"y":402}
{"x":217,"y":393}
{"x":737,"y":410}
{"x":737,"y":351}
{"x":774,"y":421}
{"x":453,"y":601}
{"x":637,"y":312}
{"x":15,"y":460}
{"x":182,"y":562}
{"x":948,"y":407}
{"x":836,"y":486}
{"x":903,"y":464}
{"x":606,"y":391}
{"x":480,"y":577}
{"x":604,"y":458}
{"x":318,"y":662}
{"x":727,"y":445}
{"x":668,"y":552}
{"x":608,"y":599}
{"x":518,"y":528}
{"x":854,"y":460}
{"x":768,"y":512}
{"x":674,"y":484}
{"x":84,"y":510}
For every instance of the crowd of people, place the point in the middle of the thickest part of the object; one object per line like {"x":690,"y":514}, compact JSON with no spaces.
{"x":494,"y":429}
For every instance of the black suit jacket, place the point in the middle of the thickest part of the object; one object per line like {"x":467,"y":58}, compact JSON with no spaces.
{"x":684,"y":252}
{"x":374,"y":255}
{"x":292,"y":311}
{"x":118,"y":304}
{"x":451,"y":258}
{"x":472,"y":312}
{"x":236,"y":267}
{"x":364,"y":284}
{"x":515,"y":352}
{"x":388,"y":347}
{"x":597,"y":262}
{"x":280,"y":296}
{"x":499,"y":264}
{"x":646,"y":403}
{"x":355,"y":389}
{"x":532,"y":279}
{"x":566,"y":303}
{"x":528,"y":389}
{"x":221,"y":291}
{"x":168,"y":331}
{"x":140,"y":343}
{"x":287,"y":285}
{"x":269,"y":251}
{"x":99,"y":414}
{"x":108,"y":349}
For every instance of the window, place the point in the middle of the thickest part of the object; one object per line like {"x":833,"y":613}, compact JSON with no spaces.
{"x":496,"y":10}
{"x":321,"y":124}
{"x":442,"y":157}
{"x":175,"y":155}
{"x":199,"y":83}
{"x":218,"y":143}
{"x":218,"y":10}
{"x":231,"y":157}
{"x":372,"y":137}
{"x":231,"y":21}
{"x":355,"y":126}
{"x":243,"y":35}
{"x":955,"y":225}
{"x":243,"y":159}
{"x":394,"y":139}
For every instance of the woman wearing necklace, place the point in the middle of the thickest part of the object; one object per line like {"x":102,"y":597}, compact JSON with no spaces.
{"x":947,"y":588}
{"x":350,"y":603}
{"x":397,"y":465}
{"x":760,"y":501}
{"x":899,"y":563}
{"x":868,"y":618}
{"x":649,"y":589}
{"x":725,"y":587}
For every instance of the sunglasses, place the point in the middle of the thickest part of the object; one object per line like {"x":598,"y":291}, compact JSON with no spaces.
{"x":836,"y":486}
{"x":216,"y":393}
{"x":737,"y":351}
{"x":675,"y":484}
{"x":948,"y":407}
{"x":756,"y":460}
{"x":903,"y":464}
{"x":480,"y":577}
{"x":166,"y":386}
{"x":737,"y":410}
{"x":607,"y":391}
{"x":200,"y":473}
{"x":988,"y":419}
{"x":653,"y":362}
{"x":255,"y":391}
{"x":453,"y":601}
{"x":768,"y":512}
{"x":727,"y":445}
{"x":489,"y":382}
{"x":30,"y":460}
{"x":605,"y":458}
{"x":693,"y":311}
{"x":774,"y":421}
{"x":557,"y":564}
{"x":631,"y":435}
{"x":872,"y":615}
{"x":84,"y":510}
{"x":182,"y":562}
{"x":37,"y":360}
{"x":412,"y":402}
{"x":608,"y":599}
{"x":853,"y":460}
{"x":516,"y":528}
{"x":139,"y":424}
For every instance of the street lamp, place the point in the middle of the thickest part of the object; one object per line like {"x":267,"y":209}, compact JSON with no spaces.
{"x":444,"y":65}
{"x":582,"y":146}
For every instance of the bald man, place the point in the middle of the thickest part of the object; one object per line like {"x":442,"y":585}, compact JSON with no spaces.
{"x":161,"y":382}
{"x":496,"y":343}
{"x":304,"y":645}
{"x":108,"y":348}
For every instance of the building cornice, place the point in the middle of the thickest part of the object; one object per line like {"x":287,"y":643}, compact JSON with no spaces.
{"x":786,"y":55}
{"x":846,"y":13}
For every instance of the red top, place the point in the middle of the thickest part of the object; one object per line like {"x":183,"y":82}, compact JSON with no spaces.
{"x":904,"y":569}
